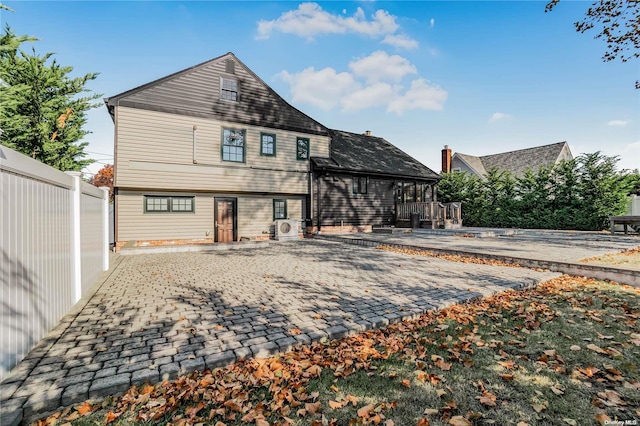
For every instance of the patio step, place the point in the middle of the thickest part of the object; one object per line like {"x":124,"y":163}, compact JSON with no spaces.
{"x":626,"y":276}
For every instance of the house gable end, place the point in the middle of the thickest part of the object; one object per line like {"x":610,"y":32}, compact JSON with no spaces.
{"x":196,"y":91}
{"x":473,"y":164}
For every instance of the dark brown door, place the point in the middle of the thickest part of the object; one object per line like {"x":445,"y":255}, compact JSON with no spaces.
{"x":225,"y":220}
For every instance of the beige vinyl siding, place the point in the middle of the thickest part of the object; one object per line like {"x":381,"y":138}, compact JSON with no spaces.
{"x":135,"y":224}
{"x":155,"y":150}
{"x":255,"y":216}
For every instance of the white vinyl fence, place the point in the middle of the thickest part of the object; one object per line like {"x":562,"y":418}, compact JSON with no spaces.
{"x":54,"y":244}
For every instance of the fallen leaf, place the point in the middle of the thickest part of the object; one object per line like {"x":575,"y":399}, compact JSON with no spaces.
{"x":611,"y":398}
{"x":84,"y":409}
{"x":365,"y":411}
{"x":570,"y":421}
{"x":508,"y":364}
{"x":575,"y":348}
{"x":424,"y":422}
{"x":111,"y":416}
{"x":441,"y":392}
{"x":313,"y":407}
{"x":487,"y":399}
{"x":72,"y":416}
{"x":334,"y":405}
{"x":596,"y":349}
{"x":602,"y":418}
{"x":389,"y":423}
{"x":406,"y":383}
{"x":539,"y":407}
{"x":430,"y":412}
{"x":459,"y":421}
{"x":352,"y":399}
{"x":507,"y":377}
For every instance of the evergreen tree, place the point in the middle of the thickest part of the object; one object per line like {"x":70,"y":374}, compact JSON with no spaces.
{"x":42,"y":108}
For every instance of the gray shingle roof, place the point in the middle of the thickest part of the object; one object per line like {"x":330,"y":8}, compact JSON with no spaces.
{"x":518,"y":161}
{"x":352,"y":152}
{"x":474,"y":162}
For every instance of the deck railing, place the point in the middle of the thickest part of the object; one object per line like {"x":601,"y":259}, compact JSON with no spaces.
{"x":431,"y":211}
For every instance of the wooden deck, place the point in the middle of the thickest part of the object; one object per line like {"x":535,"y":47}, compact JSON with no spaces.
{"x":627,"y":222}
{"x":432,"y":214}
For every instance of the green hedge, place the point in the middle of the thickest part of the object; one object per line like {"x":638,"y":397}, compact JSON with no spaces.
{"x":578,"y":194}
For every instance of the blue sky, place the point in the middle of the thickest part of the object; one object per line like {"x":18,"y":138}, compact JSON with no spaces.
{"x":482,"y":77}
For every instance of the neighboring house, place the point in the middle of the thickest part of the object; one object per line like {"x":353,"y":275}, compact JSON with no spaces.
{"x":516,"y":162}
{"x":213,"y":152}
{"x":364,"y":180}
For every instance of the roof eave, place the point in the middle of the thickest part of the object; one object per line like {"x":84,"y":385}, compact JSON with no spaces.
{"x":378,"y":173}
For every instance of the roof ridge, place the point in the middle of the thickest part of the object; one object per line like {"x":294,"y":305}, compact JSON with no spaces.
{"x":137,"y":89}
{"x":523,"y":149}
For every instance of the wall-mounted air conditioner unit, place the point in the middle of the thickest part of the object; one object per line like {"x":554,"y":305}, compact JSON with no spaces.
{"x":286,"y":229}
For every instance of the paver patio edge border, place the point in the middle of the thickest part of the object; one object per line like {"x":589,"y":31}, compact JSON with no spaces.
{"x":625,"y":276}
{"x":11,"y":413}
{"x":130,"y":249}
{"x":269,"y":349}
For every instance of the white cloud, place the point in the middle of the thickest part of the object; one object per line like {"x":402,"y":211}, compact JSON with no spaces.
{"x":374,"y":81}
{"x":310,"y":20}
{"x":380,"y":66}
{"x":323,"y":88}
{"x":432,"y":22}
{"x":617,"y":123}
{"x":496,"y":116}
{"x":421,"y":95}
{"x":374,"y":95}
{"x":400,"y":40}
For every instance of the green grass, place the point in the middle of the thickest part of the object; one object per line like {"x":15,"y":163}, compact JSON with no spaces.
{"x":527,"y":350}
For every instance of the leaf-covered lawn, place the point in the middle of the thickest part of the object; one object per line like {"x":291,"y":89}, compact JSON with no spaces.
{"x":566,"y":352}
{"x":627,"y":259}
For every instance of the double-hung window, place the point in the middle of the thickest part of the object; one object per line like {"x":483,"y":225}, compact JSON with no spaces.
{"x":302,"y":148}
{"x":267,"y":144}
{"x":233,"y":145}
{"x":360,"y":184}
{"x":279,"y":209}
{"x":164,"y":204}
{"x":228,"y":89}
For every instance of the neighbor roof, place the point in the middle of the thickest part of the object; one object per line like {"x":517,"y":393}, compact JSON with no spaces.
{"x":352,"y":152}
{"x":517,"y":162}
{"x":194,"y":92}
{"x":473,"y":162}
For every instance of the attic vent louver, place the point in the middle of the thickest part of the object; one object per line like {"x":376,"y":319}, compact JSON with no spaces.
{"x":230,"y":67}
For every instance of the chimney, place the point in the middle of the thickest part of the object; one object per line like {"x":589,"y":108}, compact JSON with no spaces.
{"x":367,"y":132}
{"x":446,"y":159}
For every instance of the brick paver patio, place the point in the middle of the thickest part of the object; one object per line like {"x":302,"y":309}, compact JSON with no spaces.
{"x":162,"y":315}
